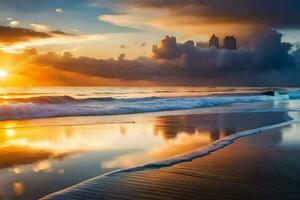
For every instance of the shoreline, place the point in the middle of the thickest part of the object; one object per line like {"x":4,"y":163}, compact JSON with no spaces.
{"x":101,"y":145}
{"x":186,"y":157}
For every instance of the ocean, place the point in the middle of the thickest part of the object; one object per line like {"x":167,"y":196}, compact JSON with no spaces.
{"x":32,"y":103}
{"x":54,"y":138}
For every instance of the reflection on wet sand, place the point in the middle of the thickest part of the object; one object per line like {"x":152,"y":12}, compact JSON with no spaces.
{"x":19,"y":188}
{"x":29,"y":145}
{"x":261,"y":166}
{"x":56,"y":157}
{"x":184,"y":133}
{"x":17,"y":155}
{"x":215,"y":125}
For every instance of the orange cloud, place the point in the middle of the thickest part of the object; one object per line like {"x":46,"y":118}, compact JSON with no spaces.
{"x":24,"y":70}
{"x":15,"y":40}
{"x":267,"y":59}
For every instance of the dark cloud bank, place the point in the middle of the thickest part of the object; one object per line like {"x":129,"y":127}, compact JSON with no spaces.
{"x":10,"y":35}
{"x":266,"y":62}
{"x":275,"y":13}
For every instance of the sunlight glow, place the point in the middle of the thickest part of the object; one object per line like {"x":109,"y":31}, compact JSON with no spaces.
{"x":3,"y":73}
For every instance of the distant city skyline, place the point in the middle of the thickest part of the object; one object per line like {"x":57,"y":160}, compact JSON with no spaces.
{"x":229,"y":42}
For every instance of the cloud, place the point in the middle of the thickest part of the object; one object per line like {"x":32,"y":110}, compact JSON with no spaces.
{"x":14,"y":23}
{"x":123,"y":46}
{"x":265,"y":61}
{"x":267,"y":12}
{"x":130,"y":21}
{"x":40,"y":27}
{"x":10,"y":35}
{"x":59,"y":10}
{"x":121,"y":57}
{"x":62,"y":33}
{"x":243,"y":18}
{"x":138,"y":69}
{"x":296,"y":55}
{"x":266,"y":52}
{"x":15,"y":39}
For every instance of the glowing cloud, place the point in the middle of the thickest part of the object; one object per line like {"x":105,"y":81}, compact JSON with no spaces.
{"x":131,"y":21}
{"x":14,"y":23}
{"x":40,"y":27}
{"x":59,"y":10}
{"x":14,"y":39}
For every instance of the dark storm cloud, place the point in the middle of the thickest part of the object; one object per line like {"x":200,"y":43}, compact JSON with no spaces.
{"x":138,"y":69}
{"x":266,"y":52}
{"x":296,"y":54}
{"x":281,"y":13}
{"x":266,"y":61}
{"x":9,"y":35}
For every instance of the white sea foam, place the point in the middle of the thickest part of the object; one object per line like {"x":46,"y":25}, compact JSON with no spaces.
{"x":203,"y":151}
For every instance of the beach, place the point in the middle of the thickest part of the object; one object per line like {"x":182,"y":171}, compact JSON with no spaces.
{"x":149,"y":99}
{"x":254,"y":167}
{"x":79,"y":143}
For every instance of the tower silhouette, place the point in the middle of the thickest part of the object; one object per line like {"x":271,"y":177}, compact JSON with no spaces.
{"x":214,"y":41}
{"x":229,"y":42}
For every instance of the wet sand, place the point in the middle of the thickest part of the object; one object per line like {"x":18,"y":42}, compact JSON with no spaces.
{"x":39,"y":157}
{"x":261,"y":166}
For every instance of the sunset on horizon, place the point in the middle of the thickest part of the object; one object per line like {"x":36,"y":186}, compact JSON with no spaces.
{"x":149,"y":99}
{"x":148,"y":43}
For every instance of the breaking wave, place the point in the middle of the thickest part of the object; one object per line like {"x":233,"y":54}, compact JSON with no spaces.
{"x":61,"y":106}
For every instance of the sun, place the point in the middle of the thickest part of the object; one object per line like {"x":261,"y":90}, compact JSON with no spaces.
{"x":3,"y":73}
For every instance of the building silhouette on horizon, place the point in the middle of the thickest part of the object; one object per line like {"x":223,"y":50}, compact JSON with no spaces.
{"x":229,"y":42}
{"x":214,"y":41}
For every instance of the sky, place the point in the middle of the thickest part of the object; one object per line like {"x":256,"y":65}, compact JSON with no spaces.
{"x":149,"y":42}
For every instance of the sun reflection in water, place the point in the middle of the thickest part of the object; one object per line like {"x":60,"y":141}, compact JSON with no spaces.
{"x":19,"y":189}
{"x":154,"y":137}
{"x":10,"y":132}
{"x":18,"y":170}
{"x":43,"y":166}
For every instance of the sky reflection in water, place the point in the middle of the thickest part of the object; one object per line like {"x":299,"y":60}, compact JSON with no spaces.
{"x":37,"y":160}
